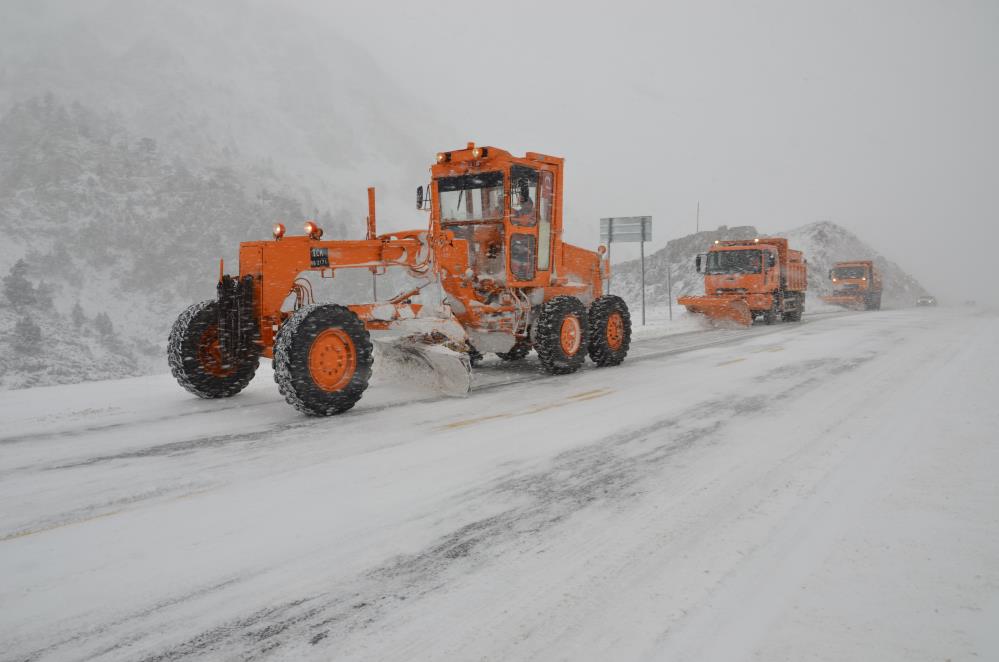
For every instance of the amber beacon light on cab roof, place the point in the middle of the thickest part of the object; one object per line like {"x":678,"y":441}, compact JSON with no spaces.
{"x":492,"y":274}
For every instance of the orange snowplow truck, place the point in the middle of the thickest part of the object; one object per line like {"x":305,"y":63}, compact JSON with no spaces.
{"x":746,"y":279}
{"x":491,"y":271}
{"x":856,"y":285}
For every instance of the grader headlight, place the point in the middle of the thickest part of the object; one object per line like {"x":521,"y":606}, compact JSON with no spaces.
{"x":313,"y":230}
{"x":278,"y":231}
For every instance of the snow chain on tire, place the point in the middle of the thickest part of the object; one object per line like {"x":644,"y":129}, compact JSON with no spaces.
{"x":602,"y":350}
{"x":548,"y":335}
{"x":293,"y":360}
{"x":194,"y":362}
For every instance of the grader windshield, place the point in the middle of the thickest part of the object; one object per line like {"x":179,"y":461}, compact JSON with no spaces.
{"x":472,"y":208}
{"x":471,"y":198}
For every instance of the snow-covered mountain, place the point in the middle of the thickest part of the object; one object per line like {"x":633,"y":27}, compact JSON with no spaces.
{"x":823,"y":243}
{"x":231,"y":81}
{"x":141,"y":141}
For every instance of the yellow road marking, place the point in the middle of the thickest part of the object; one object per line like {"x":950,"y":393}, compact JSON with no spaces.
{"x":730,"y":362}
{"x":51,"y":527}
{"x":31,"y":532}
{"x":578,"y":397}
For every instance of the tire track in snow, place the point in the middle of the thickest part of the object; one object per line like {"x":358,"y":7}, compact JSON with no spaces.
{"x":608,"y":471}
{"x":648,"y":350}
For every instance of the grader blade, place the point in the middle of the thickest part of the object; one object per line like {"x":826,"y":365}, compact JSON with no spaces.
{"x":427,"y":363}
{"x":719,"y":308}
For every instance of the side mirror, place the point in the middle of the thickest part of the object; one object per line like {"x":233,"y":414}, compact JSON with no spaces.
{"x":771,"y":259}
{"x":522,"y":190}
{"x":699,"y":262}
{"x":830,"y":274}
{"x":419,"y":197}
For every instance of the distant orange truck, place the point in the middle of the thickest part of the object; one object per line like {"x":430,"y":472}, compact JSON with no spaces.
{"x":856,"y":285}
{"x":749,"y":278}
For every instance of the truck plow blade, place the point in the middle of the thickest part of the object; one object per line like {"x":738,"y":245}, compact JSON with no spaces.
{"x":425,"y":363}
{"x":719,"y":308}
{"x":852,"y":301}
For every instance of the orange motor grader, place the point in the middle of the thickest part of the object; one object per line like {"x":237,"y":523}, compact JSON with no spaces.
{"x":749,"y":278}
{"x":492,"y":274}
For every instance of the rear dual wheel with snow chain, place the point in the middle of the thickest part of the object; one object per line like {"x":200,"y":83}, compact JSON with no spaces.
{"x":196,"y":358}
{"x":322,"y":359}
{"x":561,"y":335}
{"x":610,"y":330}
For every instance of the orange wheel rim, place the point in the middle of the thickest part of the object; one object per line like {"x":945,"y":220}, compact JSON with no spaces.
{"x":570,"y":335}
{"x":332,"y":360}
{"x":210,"y":354}
{"x":615,"y":331}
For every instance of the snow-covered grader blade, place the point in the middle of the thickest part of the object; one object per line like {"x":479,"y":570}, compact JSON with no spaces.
{"x":492,"y":274}
{"x":719,"y":309}
{"x":419,"y":360}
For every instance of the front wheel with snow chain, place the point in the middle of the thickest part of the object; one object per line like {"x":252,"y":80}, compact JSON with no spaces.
{"x":196,"y":359}
{"x":610,"y":330}
{"x":561,"y":335}
{"x":520,"y":349}
{"x":322,"y":359}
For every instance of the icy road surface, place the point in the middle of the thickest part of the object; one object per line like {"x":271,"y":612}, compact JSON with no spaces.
{"x":823,"y":491}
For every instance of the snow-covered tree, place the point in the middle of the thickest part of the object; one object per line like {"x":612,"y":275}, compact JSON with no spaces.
{"x":78,"y":316}
{"x":17,"y":289}
{"x":27,"y":336}
{"x":103,"y":324}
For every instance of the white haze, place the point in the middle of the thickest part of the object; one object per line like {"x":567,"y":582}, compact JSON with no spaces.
{"x":878,"y":116}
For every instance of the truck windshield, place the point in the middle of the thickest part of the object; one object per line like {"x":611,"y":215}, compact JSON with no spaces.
{"x":849,"y":272}
{"x":476,"y":197}
{"x":733,"y":262}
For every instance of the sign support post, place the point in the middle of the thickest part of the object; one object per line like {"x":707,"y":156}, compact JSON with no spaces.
{"x":629,"y":229}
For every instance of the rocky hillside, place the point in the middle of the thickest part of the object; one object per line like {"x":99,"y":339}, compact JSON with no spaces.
{"x":823,"y":244}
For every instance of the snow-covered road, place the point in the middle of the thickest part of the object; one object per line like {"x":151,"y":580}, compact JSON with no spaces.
{"x":817,"y":491}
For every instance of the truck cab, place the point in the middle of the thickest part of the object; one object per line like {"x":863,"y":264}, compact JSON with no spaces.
{"x":856,"y":284}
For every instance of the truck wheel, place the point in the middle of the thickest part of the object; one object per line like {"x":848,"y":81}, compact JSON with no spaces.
{"x":519,"y":350}
{"x":322,"y":359}
{"x":561,"y":335}
{"x":799,"y":308}
{"x":610,"y":330}
{"x":195,"y":357}
{"x":771,"y":316}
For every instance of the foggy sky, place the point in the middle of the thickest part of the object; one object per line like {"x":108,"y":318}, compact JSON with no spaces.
{"x":879,"y":116}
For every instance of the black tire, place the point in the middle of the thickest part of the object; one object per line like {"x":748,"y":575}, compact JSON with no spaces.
{"x":795,"y":315}
{"x":553,"y":315}
{"x":519,"y":350}
{"x":194,"y":359}
{"x":601,"y":349}
{"x":771,"y":316}
{"x":294,"y":361}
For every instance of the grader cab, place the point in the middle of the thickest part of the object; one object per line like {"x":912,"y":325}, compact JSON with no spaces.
{"x":492,"y":274}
